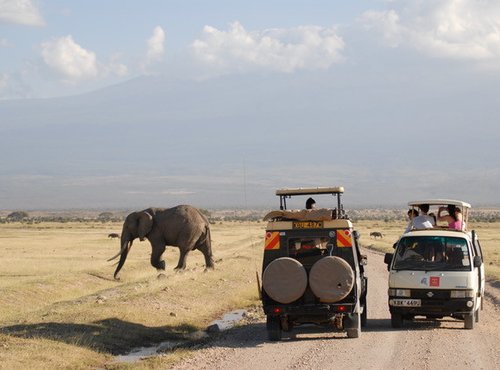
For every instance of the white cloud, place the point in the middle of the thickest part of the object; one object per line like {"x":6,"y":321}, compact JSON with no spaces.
{"x":20,"y":12}
{"x":457,"y":29}
{"x":75,"y":63}
{"x":12,"y":85}
{"x":69,"y":59}
{"x":156,"y":45}
{"x":387,"y":23}
{"x":283,"y":50}
{"x":116,"y":68}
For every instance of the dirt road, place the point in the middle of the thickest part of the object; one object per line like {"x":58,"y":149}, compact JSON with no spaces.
{"x":420,"y":345}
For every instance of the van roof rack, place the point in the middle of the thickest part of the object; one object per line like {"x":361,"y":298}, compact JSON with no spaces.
{"x":439,"y":202}
{"x":289,"y":192}
{"x":310,"y":191}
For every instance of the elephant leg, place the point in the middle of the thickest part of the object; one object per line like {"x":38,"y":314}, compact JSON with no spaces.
{"x":182,"y":259}
{"x":207,"y":253}
{"x":156,"y":258}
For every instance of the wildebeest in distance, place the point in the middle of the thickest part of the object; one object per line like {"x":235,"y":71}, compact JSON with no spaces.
{"x":376,"y":234}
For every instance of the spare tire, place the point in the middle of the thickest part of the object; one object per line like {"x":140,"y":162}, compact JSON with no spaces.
{"x":284,"y":280}
{"x":331,"y":279}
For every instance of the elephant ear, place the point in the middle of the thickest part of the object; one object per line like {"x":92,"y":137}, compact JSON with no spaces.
{"x":145,"y":224}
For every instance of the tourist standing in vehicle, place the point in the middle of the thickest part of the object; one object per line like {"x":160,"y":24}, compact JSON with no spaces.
{"x":310,"y":203}
{"x":412,"y":213}
{"x":454,"y":217}
{"x":423,"y":220}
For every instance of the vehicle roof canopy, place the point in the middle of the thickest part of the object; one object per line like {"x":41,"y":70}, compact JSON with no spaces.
{"x":440,"y":202}
{"x":310,"y":191}
{"x":336,"y":191}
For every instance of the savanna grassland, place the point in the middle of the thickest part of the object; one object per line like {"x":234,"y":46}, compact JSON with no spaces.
{"x":61,"y":308}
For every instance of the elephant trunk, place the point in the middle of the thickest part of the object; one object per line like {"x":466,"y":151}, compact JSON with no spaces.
{"x":126,"y":245}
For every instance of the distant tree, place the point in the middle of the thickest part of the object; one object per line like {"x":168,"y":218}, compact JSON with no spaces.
{"x":205,"y":212}
{"x":105,"y":216}
{"x":17,"y":216}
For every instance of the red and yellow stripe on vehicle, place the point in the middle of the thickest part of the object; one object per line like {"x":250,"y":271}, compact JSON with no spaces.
{"x":272,"y":241}
{"x":344,"y":238}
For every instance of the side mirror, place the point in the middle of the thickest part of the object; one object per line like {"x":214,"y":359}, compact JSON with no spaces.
{"x":388,"y":260}
{"x":394,"y":245}
{"x":364,"y":260}
{"x":356,"y":234}
{"x":477,"y":261}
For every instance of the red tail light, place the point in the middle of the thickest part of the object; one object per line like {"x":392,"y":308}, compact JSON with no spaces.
{"x":277,"y":310}
{"x":341,"y":308}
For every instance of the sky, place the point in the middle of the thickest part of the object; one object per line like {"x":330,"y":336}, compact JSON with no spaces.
{"x":118,"y":104}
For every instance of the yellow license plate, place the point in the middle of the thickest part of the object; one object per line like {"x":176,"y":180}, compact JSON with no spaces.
{"x":308,"y":225}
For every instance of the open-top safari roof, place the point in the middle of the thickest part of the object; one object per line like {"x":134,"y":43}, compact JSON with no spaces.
{"x":439,"y":202}
{"x":289,"y":192}
{"x":309,"y":191}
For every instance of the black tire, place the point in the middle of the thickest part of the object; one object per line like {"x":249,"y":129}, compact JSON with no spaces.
{"x":352,"y":325}
{"x":273,"y":326}
{"x":469,"y":321}
{"x":364,"y":316}
{"x":396,"y":320}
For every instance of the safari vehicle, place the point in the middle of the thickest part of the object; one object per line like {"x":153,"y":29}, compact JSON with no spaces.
{"x":313,"y":271}
{"x":436,"y":272}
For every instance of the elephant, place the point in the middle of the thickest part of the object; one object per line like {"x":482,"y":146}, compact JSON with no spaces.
{"x":182,"y":226}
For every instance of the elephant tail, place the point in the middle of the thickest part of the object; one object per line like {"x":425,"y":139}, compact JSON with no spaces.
{"x":205,"y":239}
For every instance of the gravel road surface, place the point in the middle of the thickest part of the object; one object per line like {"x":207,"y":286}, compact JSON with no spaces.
{"x":419,"y":345}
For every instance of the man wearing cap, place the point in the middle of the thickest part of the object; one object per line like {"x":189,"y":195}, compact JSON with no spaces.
{"x":423,"y":220}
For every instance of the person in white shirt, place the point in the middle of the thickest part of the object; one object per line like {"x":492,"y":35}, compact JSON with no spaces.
{"x":422,"y":221}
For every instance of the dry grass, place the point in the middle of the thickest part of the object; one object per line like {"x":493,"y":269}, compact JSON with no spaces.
{"x":60,"y":307}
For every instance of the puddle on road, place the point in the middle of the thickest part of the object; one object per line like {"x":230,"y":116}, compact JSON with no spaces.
{"x":229,"y":320}
{"x":143,"y":352}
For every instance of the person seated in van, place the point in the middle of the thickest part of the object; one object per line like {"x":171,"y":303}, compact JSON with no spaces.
{"x":453,"y":218}
{"x":422,"y":221}
{"x":434,"y":251}
{"x":414,"y":252}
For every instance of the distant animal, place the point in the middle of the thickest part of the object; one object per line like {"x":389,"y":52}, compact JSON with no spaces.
{"x":376,"y":234}
{"x":182,"y":226}
{"x":113,"y":235}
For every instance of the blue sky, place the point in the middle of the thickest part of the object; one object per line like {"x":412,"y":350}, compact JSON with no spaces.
{"x":398,"y":99}
{"x":54,"y":48}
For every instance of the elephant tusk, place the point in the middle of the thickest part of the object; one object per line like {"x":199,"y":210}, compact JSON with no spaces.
{"x":115,"y":256}
{"x":120,"y":252}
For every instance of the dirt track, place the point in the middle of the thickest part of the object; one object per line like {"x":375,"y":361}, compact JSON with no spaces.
{"x":420,"y":345}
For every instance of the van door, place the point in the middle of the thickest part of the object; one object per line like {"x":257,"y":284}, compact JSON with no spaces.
{"x":480,"y":270}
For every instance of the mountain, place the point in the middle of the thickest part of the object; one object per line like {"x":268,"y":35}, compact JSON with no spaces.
{"x":228,"y":141}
